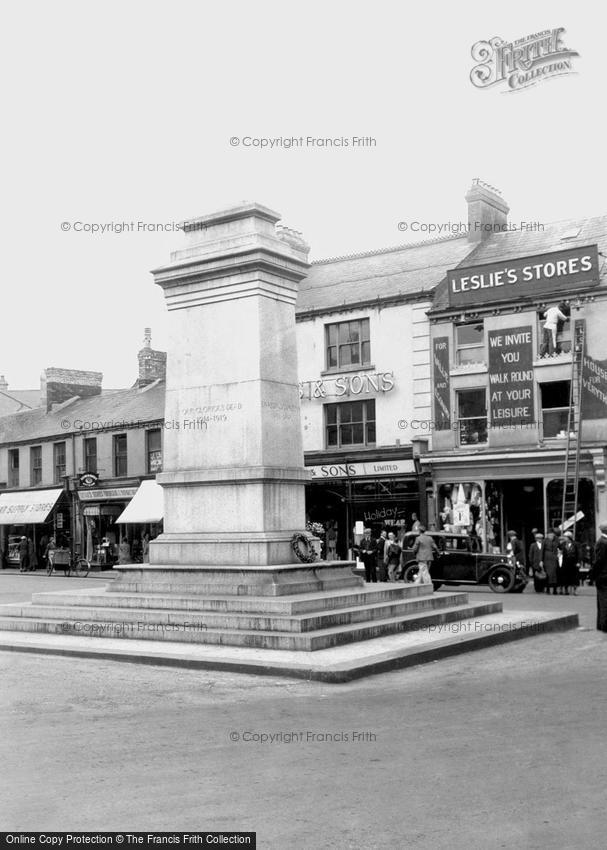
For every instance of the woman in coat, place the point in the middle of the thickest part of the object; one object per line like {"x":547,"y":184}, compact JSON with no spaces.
{"x":569,"y":568}
{"x":551,"y":561}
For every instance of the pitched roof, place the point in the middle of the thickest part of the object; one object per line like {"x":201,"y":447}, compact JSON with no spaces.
{"x":109,"y":410}
{"x":404,"y":270}
{"x":517,"y":243}
{"x":15,"y":400}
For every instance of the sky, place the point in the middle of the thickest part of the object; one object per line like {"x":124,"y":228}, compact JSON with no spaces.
{"x":123,"y":112}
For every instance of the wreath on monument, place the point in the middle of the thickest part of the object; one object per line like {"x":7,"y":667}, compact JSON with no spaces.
{"x":304,"y":550}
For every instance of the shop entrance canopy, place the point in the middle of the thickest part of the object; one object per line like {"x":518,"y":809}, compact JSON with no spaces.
{"x":28,"y":507}
{"x":147,"y":505}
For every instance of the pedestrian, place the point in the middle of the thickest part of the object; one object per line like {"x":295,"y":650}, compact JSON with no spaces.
{"x":380,"y":546}
{"x":551,"y":561}
{"x":569,"y":564}
{"x":415,"y":523}
{"x":392,"y":553}
{"x":368,"y":556}
{"x":598,"y":573}
{"x":23,"y":555}
{"x":424,"y":551}
{"x":124,"y":552}
{"x":536,"y":562}
{"x":49,"y":553}
{"x":145,"y":548}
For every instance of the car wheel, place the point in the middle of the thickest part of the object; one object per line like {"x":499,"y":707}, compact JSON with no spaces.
{"x":411,"y":573}
{"x":500,"y":579}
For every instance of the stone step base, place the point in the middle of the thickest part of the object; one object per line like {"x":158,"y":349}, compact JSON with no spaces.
{"x":275,"y":605}
{"x":73,"y":617}
{"x":198,"y":633}
{"x":337,"y":664}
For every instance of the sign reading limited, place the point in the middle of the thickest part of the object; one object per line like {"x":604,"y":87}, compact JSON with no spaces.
{"x":511,"y":376}
{"x":524,"y":276}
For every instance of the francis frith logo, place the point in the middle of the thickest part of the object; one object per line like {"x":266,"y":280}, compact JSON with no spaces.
{"x":522,"y":63}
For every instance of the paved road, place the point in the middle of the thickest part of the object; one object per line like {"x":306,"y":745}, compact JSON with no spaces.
{"x":499,"y":748}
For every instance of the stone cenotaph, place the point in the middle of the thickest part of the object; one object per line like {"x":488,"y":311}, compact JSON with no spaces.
{"x":234,"y":478}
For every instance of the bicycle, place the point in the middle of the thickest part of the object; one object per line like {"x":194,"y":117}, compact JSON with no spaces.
{"x":62,"y":559}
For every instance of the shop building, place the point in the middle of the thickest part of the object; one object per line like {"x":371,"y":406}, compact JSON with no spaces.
{"x":515,"y":393}
{"x":363,"y":353}
{"x":70,"y":467}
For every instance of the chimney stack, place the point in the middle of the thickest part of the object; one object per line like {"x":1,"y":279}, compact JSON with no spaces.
{"x":152,"y":363}
{"x":487,"y":211}
{"x":59,"y":385}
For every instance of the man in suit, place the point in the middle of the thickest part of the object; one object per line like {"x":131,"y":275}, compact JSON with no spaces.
{"x":380,"y":546}
{"x":536,"y":562}
{"x":368,"y":554}
{"x":598,"y":574}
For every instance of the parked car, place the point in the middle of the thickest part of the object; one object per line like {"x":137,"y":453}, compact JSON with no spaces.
{"x":458,"y":562}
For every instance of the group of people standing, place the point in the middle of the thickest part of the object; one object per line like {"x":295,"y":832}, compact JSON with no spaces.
{"x":554,"y":563}
{"x":29,"y":558}
{"x":382,"y":556}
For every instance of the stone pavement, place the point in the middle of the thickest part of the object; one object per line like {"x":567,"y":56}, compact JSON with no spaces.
{"x":498,"y":748}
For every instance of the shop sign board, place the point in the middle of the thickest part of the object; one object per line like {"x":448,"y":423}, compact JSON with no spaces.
{"x":109,"y":493}
{"x":347,"y":385}
{"x":441,"y":385}
{"x":511,"y":386}
{"x":594,"y":388}
{"x":354,"y":470}
{"x":88,"y":479}
{"x":525,"y":277}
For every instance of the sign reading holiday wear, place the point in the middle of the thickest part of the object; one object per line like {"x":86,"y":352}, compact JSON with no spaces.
{"x":511,"y":376}
{"x":541,"y":274}
{"x":594,"y":388}
{"x":441,"y":386}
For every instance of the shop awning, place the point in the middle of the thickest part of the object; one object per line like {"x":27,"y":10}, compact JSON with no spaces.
{"x":28,"y":507}
{"x":147,"y":505}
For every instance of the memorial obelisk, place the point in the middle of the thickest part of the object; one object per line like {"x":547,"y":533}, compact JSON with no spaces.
{"x":234,"y":478}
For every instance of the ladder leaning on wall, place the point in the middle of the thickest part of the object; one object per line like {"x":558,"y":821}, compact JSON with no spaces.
{"x":571,"y":475}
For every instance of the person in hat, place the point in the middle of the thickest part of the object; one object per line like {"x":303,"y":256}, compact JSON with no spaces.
{"x":23,"y":555}
{"x":515,"y":550}
{"x":570,"y":571}
{"x":551,"y":560}
{"x":598,"y":574}
{"x":536,"y":562}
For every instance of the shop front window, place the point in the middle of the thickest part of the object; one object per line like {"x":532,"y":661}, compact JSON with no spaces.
{"x":35,"y":465}
{"x":348,"y":344}
{"x":13,"y":467}
{"x":470,"y":343}
{"x":154,"y":450}
{"x":555,"y":408}
{"x":472,"y":417}
{"x":350,"y":424}
{"x":120,"y":456}
{"x":59,"y":462}
{"x":459,"y":512}
{"x":90,"y":454}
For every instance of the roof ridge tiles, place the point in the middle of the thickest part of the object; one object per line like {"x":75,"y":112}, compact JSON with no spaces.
{"x":377,"y":251}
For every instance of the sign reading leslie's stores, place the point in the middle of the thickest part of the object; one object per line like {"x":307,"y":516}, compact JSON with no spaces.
{"x":524,"y":277}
